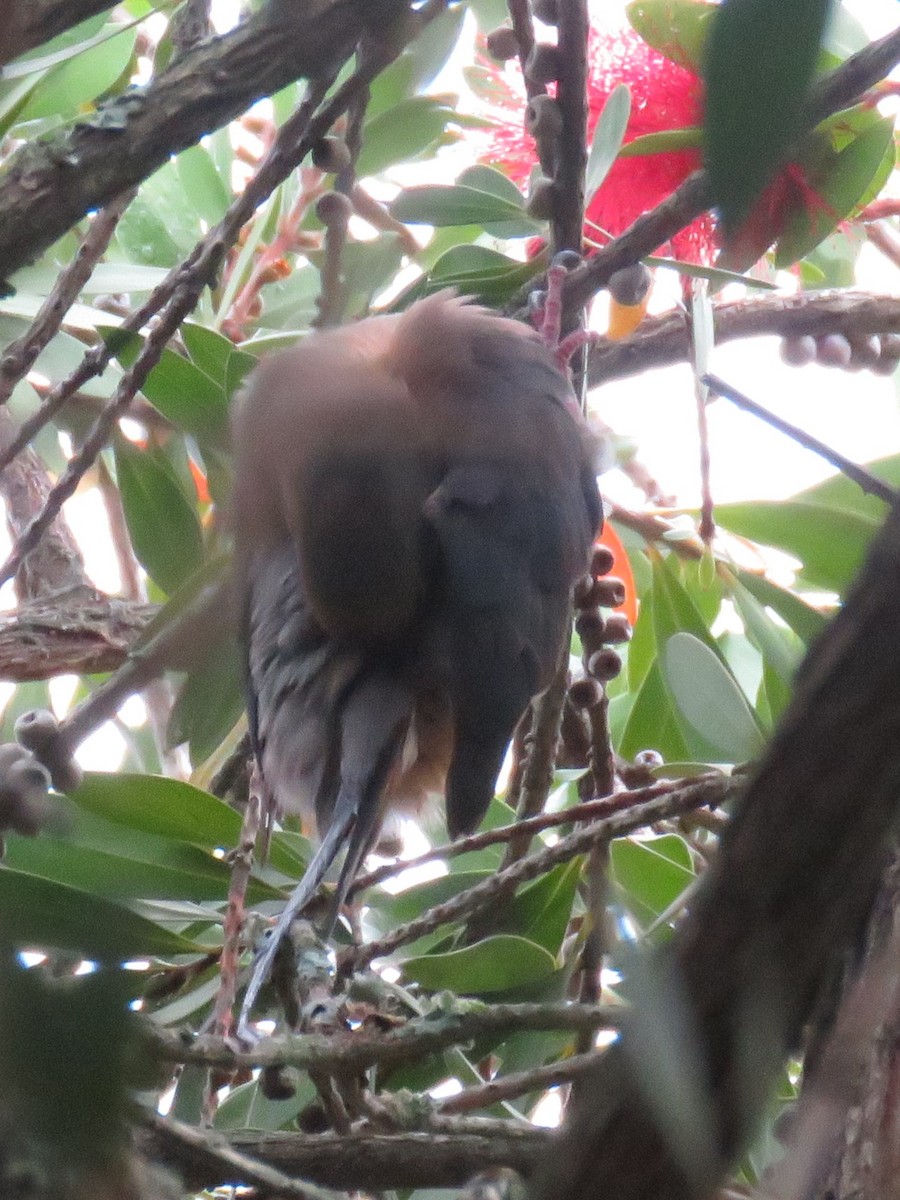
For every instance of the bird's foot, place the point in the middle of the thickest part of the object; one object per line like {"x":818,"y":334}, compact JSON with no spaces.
{"x":547,"y":311}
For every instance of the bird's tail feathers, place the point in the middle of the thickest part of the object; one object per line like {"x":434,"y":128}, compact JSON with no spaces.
{"x":343,"y":820}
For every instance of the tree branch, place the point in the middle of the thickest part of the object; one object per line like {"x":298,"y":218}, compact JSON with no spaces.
{"x":695,"y":794}
{"x":355,"y":1160}
{"x":661,"y":341}
{"x":50,"y":184}
{"x":80,"y":634}
{"x":435,"y":1031}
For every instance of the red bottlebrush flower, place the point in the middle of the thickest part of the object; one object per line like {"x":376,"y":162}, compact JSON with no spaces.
{"x":664,"y":96}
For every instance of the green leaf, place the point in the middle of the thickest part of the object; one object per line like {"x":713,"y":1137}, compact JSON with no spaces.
{"x":164,"y":527}
{"x":679,"y":29}
{"x":709,"y":699}
{"x":488,"y":179}
{"x":183,"y":393}
{"x":778,"y":646}
{"x":759,"y":66}
{"x":607,"y":139}
{"x":245,"y":1107}
{"x":806,"y":621}
{"x":829,"y":542}
{"x":652,"y":872}
{"x":67,"y":88}
{"x":675,"y":608}
{"x":664,"y":142}
{"x":42,"y":914}
{"x":209,"y":704}
{"x":172,"y":873}
{"x":403,"y":132}
{"x":541,"y":911}
{"x":202,"y":183}
{"x":483,"y":273}
{"x":209,"y":350}
{"x":852,"y":177}
{"x":169,"y":808}
{"x":716,"y":275}
{"x":388,"y":910}
{"x":431,"y":49}
{"x":652,"y":723}
{"x":837,"y":491}
{"x":161,"y":225}
{"x":436,"y":204}
{"x":493,"y":965}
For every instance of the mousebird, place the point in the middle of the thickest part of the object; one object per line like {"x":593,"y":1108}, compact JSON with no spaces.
{"x":415,"y":496}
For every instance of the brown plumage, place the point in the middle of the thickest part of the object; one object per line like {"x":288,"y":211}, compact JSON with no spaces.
{"x":414,"y":498}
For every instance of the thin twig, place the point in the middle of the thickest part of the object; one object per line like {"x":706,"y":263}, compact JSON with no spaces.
{"x":508,"y":1087}
{"x":540,"y":745}
{"x":590,"y":810}
{"x":215,"y":1150}
{"x":882,"y":237}
{"x":357,"y":1050}
{"x":448,"y":1154}
{"x":869,"y":483}
{"x":25,"y":486}
{"x":489,"y":891}
{"x":171,"y":647}
{"x":20,"y":355}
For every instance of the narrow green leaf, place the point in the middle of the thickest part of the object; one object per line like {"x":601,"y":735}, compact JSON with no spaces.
{"x":209,"y":704}
{"x":403,"y":132}
{"x":679,"y":29}
{"x":778,"y":646}
{"x":829,"y":542}
{"x":42,"y":914}
{"x":709,"y":699}
{"x":852,"y":178}
{"x":806,"y":621}
{"x":169,"y":808}
{"x":432,"y":48}
{"x":488,"y":179}
{"x":209,"y":350}
{"x":164,"y":527}
{"x":652,"y":873}
{"x":202,"y":183}
{"x":837,"y":491}
{"x":496,"y":964}
{"x":665,"y":142}
{"x":435,"y":204}
{"x":607,"y":140}
{"x":65,"y":89}
{"x":178,"y":388}
{"x":716,"y":275}
{"x":652,"y":723}
{"x":245,"y":1107}
{"x":758,"y":68}
{"x":541,"y":911}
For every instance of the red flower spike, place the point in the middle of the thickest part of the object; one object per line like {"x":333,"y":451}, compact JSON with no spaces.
{"x":665,"y":96}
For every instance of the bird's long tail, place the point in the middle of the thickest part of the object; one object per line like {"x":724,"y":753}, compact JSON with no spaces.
{"x":374,"y":723}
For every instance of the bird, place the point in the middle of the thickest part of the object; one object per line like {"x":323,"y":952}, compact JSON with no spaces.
{"x":414,"y":498}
